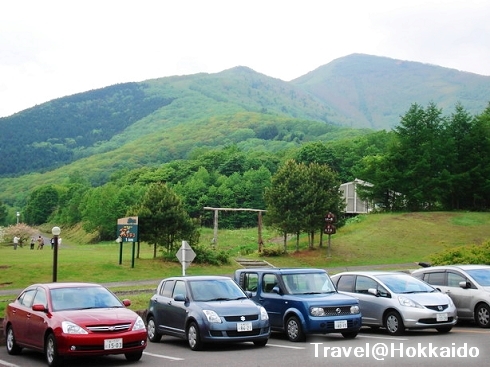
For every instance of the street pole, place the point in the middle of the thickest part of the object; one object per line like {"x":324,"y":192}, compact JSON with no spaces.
{"x":56,"y":232}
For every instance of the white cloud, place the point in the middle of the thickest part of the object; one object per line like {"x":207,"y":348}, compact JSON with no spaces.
{"x":53,"y":48}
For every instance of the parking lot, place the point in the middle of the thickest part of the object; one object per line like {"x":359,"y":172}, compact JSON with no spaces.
{"x":465,"y":345}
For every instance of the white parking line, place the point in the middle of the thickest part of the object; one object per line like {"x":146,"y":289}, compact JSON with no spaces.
{"x":8,"y":364}
{"x":381,"y":337}
{"x":283,"y":346}
{"x":162,"y":356}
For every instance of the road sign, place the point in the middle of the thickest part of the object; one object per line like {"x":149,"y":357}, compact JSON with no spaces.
{"x":185,"y":255}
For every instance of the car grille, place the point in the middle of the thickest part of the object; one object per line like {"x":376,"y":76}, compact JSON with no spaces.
{"x":242,"y":318}
{"x":337,"y":310}
{"x":434,"y":321}
{"x":234,"y":333}
{"x":109,"y":328}
{"x":438,"y":307}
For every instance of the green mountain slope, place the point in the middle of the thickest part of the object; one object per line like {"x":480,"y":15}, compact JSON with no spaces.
{"x":373,"y":92}
{"x":148,"y":123}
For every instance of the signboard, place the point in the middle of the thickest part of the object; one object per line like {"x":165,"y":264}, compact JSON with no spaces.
{"x":185,"y":255}
{"x":127,"y":229}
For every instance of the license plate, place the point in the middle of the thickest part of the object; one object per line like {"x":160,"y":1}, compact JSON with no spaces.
{"x":441,"y":317}
{"x":113,"y":343}
{"x":244,"y":326}
{"x":340,"y":324}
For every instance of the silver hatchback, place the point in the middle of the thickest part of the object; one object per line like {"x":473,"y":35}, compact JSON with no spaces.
{"x":467,"y":285}
{"x":397,"y":301}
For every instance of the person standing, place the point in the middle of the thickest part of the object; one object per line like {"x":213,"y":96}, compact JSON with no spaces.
{"x":16,"y":242}
{"x":32,"y":243}
{"x":40,"y":242}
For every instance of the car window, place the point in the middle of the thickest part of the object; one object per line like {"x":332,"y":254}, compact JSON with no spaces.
{"x":250,"y":281}
{"x":179,"y":288}
{"x":364,"y":283}
{"x":453,"y":279}
{"x":481,"y":276}
{"x":167,"y":288}
{"x":215,"y":289}
{"x":26,"y":298}
{"x":269,"y":281}
{"x":40,"y":298}
{"x":301,"y":283}
{"x":78,"y":298}
{"x":346,"y":283}
{"x":403,"y":283}
{"x":435,"y":278}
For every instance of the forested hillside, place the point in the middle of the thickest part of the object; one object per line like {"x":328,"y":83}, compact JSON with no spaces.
{"x":357,"y":91}
{"x":217,"y":139}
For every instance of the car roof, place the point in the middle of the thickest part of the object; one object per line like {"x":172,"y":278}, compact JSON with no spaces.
{"x":371,"y":273}
{"x":454,"y":267}
{"x":284,"y":270}
{"x":198,"y":277}
{"x":56,"y":285}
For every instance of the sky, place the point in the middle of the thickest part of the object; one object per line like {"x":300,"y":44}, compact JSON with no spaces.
{"x":54,"y":48}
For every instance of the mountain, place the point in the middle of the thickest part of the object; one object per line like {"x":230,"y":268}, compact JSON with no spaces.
{"x":156,"y":121}
{"x":373,"y":92}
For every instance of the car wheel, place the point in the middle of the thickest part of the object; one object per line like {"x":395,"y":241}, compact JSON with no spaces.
{"x":445,"y":329}
{"x":482,"y":315}
{"x":260,"y":343}
{"x":151,"y":329}
{"x":51,"y":352}
{"x":193,"y":337}
{"x":350,"y":334}
{"x":12,"y":347}
{"x":294,"y":330}
{"x":133,"y":357}
{"x":394,"y":323}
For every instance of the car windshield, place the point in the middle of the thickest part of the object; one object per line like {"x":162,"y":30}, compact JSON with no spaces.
{"x":308,"y":283}
{"x":401,"y":283}
{"x":78,"y":298}
{"x":481,"y":276}
{"x":205,"y":290}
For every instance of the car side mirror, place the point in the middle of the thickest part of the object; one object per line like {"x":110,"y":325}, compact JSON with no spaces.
{"x":465,"y":284}
{"x":276,"y":289}
{"x":179,"y":297}
{"x":249,"y":294}
{"x":373,"y":291}
{"x":39,"y":307}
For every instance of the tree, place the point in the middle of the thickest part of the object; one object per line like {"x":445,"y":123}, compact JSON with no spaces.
{"x":42,"y":202}
{"x":163,"y":220}
{"x":103,"y":205}
{"x":299,"y":197}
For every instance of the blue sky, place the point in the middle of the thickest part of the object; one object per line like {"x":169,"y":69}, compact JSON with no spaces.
{"x":53,"y":48}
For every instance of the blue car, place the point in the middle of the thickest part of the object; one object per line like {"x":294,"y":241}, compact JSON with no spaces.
{"x":205,"y":309}
{"x":301,"y":301}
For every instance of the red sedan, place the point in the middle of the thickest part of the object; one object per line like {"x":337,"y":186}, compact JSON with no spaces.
{"x":65,"y":320}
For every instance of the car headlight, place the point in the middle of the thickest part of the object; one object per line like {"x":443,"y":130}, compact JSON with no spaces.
{"x":139,"y":324}
{"x":71,"y":328}
{"x":212,"y":316}
{"x":317,"y":311}
{"x":354,"y":309}
{"x":263,"y":314}
{"x":404,"y":301}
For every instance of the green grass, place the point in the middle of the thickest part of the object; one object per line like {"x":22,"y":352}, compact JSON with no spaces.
{"x":366,"y":240}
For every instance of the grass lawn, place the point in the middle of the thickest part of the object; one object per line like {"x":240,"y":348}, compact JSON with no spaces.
{"x":366,"y":240}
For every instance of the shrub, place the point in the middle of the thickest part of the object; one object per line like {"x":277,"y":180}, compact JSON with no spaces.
{"x":470,"y":254}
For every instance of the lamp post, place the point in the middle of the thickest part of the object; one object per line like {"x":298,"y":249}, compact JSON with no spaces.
{"x":56,"y":232}
{"x":18,"y":215}
{"x":119,"y":240}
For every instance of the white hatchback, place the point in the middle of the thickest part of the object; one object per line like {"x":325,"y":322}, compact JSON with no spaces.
{"x":397,"y":301}
{"x":467,"y":285}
